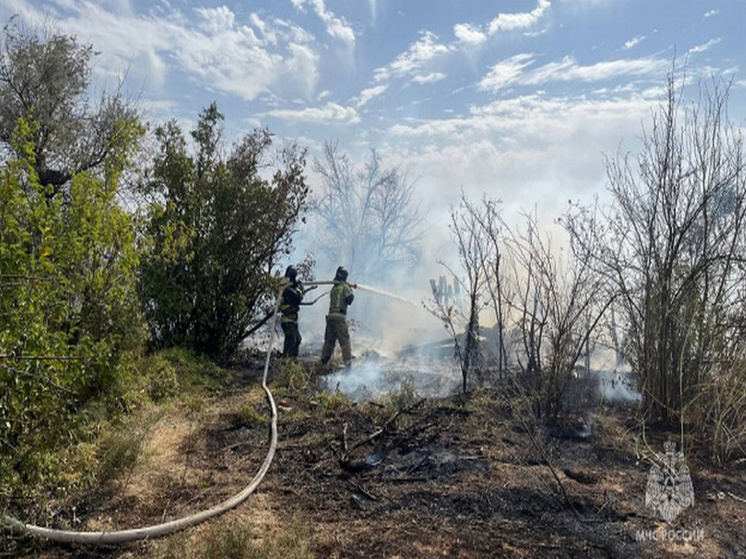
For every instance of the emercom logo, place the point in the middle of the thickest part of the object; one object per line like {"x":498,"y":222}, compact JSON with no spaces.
{"x":669,"y":490}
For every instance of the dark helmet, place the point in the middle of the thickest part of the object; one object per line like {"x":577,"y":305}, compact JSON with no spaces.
{"x":341,"y":274}
{"x":291,"y":273}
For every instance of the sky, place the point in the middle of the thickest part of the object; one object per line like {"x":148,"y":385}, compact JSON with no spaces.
{"x":519,"y":99}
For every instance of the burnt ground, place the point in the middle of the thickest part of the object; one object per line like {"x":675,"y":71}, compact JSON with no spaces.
{"x":460,"y":477}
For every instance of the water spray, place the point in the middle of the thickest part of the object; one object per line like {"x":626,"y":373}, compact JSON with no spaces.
{"x":386,"y":294}
{"x":366,"y":288}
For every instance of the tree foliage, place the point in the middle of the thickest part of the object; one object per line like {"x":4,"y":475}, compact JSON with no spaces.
{"x":68,"y":304}
{"x":46,"y":75}
{"x":215,"y":233}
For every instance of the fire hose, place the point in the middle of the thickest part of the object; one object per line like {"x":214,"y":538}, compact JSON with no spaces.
{"x":167,"y":528}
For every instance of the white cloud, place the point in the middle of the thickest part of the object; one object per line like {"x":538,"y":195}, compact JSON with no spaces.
{"x":569,"y":70}
{"x":330,"y":113}
{"x":510,"y":22}
{"x":711,"y":13}
{"x":426,"y":49}
{"x":216,"y":19}
{"x":633,"y":42}
{"x":506,"y":72}
{"x":216,"y":50}
{"x":429,"y":78}
{"x":266,"y":32}
{"x":473,"y":35}
{"x":469,"y":34}
{"x":367,"y":95}
{"x":510,"y":71}
{"x":706,"y":46}
{"x":336,"y":27}
{"x":526,"y":150}
{"x":302,"y":68}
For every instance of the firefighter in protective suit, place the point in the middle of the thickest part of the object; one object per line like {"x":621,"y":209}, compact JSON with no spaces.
{"x":292,"y":296}
{"x":336,"y":321}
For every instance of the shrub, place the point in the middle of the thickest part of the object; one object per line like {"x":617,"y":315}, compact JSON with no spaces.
{"x":70,"y":319}
{"x":212,"y":240}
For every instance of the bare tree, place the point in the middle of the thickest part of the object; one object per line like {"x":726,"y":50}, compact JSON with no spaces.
{"x":493,"y":264}
{"x":368,"y":216}
{"x":672,"y":246}
{"x":560,"y":302}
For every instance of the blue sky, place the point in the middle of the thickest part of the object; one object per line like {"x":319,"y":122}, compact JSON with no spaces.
{"x":519,"y":99}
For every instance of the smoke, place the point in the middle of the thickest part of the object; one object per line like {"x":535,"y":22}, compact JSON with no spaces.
{"x":374,"y":375}
{"x":617,"y":386}
{"x":614,"y":381}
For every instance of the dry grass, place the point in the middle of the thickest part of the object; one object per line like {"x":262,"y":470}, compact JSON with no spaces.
{"x":239,"y":538}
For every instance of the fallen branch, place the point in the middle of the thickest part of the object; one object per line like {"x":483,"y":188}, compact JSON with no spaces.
{"x":376,"y":434}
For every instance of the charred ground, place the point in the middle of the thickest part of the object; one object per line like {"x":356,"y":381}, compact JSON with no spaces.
{"x":401,"y":477}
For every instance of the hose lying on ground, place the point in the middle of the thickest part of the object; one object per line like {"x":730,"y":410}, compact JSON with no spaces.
{"x":166,"y":528}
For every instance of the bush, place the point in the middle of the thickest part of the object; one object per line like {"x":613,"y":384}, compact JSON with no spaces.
{"x":70,"y":316}
{"x":212,"y":240}
{"x":292,"y":376}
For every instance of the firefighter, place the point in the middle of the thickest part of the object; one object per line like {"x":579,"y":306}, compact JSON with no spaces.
{"x":292,"y":296}
{"x":336,"y":321}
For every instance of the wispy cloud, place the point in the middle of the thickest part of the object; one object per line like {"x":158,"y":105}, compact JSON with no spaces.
{"x":511,"y":71}
{"x":522,"y":20}
{"x":633,"y":42}
{"x":367,"y":95}
{"x":429,"y":78}
{"x":426,"y":49}
{"x":336,"y":27}
{"x":373,"y":10}
{"x":331,"y":113}
{"x":569,"y":70}
{"x":711,"y":13}
{"x":704,"y":47}
{"x":505,"y":72}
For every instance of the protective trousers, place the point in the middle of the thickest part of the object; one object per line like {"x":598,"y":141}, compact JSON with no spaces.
{"x":292,"y":339}
{"x":336,"y":329}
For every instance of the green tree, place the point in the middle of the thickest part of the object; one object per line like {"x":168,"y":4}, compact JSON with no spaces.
{"x":46,"y":74}
{"x":215,"y":233}
{"x":68,"y":304}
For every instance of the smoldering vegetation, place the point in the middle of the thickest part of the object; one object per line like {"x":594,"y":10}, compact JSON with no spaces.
{"x":636,"y":298}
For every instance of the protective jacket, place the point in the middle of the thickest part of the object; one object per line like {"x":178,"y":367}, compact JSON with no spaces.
{"x":339,"y":298}
{"x":292,"y":296}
